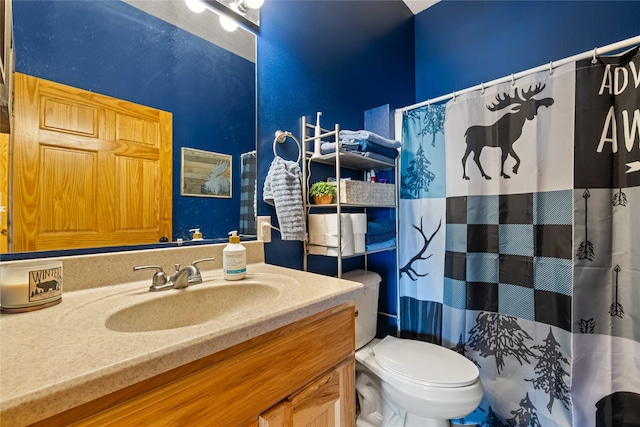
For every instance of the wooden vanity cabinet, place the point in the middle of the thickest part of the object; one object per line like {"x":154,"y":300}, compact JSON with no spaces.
{"x":299,"y":375}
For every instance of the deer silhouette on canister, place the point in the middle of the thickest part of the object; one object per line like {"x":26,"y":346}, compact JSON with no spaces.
{"x":506,"y":130}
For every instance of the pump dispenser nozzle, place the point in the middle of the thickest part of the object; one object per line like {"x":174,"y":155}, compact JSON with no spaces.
{"x":233,"y":237}
{"x":197,"y":235}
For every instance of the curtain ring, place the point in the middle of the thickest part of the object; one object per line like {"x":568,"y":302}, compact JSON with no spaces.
{"x":594,"y":60}
{"x":550,"y":67}
{"x":513,"y":80}
{"x":482,"y":88}
{"x":454,"y":95}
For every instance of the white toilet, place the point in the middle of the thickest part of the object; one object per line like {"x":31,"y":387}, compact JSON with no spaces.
{"x":407,"y":383}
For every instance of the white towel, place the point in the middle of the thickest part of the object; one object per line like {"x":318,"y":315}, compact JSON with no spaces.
{"x":283,"y":189}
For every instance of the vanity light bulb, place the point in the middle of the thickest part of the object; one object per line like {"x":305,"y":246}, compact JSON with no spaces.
{"x":228,"y":23}
{"x":254,"y":4}
{"x":195,"y":6}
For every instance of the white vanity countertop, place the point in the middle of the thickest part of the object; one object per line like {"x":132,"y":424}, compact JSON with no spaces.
{"x":63,"y":356}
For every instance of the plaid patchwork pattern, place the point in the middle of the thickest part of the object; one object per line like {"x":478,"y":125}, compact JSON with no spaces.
{"x":511,"y":254}
{"x":248,"y":176}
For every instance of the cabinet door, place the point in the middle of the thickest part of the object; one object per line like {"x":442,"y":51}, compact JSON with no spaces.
{"x":319,"y":403}
{"x":327,"y":402}
{"x":278,"y":416}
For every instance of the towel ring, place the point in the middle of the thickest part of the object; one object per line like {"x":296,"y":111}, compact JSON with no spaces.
{"x":281,"y":137}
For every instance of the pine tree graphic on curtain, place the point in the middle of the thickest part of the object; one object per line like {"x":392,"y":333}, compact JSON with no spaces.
{"x":499,"y":336}
{"x":550,"y":372}
{"x":525,"y":416}
{"x":418,"y":175}
{"x":432,"y":123}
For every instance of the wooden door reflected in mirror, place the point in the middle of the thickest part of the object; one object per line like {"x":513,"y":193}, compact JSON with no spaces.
{"x":88,"y":169}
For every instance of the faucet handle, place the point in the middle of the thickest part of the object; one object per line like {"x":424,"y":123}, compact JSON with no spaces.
{"x":196,"y":277}
{"x":202,"y":260}
{"x":159,"y":278}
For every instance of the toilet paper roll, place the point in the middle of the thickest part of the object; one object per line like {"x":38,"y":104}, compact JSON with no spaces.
{"x":328,"y":224}
{"x":348,"y":245}
{"x":320,"y":250}
{"x":323,"y":230}
{"x":359,"y":223}
{"x":359,"y":243}
{"x":329,"y":240}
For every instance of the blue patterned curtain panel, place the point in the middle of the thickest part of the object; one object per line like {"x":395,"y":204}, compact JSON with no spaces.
{"x":520,"y":247}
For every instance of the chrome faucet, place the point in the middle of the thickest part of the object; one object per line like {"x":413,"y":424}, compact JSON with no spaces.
{"x":189,"y":275}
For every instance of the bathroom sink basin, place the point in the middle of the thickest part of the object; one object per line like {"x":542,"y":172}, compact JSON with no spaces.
{"x":177,"y":308}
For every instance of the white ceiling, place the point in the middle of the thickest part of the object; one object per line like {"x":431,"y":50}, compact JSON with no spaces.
{"x":418,"y":6}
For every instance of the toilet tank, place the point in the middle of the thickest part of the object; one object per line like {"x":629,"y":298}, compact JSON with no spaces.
{"x":366,"y":305}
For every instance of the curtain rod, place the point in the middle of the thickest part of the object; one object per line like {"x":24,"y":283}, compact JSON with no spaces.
{"x":589,"y":54}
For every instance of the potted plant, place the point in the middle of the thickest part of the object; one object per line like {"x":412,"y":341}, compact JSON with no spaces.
{"x":322,"y":192}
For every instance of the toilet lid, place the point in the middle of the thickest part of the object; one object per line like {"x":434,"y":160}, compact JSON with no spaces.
{"x":425,"y":363}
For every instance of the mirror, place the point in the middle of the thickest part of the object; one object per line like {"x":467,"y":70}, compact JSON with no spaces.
{"x":158,"y":54}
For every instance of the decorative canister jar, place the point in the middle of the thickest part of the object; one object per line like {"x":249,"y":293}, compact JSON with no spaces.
{"x":30,"y":286}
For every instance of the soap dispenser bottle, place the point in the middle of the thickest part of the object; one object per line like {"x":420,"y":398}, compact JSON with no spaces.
{"x":234,"y":258}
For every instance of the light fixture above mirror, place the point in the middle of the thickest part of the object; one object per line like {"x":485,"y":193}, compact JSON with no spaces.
{"x":232,"y":12}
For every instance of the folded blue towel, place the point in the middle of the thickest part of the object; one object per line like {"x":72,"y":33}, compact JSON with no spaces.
{"x":371,"y":137}
{"x":377,"y":238}
{"x":353,"y":147}
{"x":380,"y":226}
{"x":376,"y":156}
{"x":382,"y":245}
{"x":375,"y":148}
{"x":330,"y":147}
{"x":360,"y":145}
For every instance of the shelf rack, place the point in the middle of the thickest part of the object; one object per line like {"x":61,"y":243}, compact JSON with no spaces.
{"x":338,"y":159}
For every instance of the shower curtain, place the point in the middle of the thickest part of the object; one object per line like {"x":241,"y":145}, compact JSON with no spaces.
{"x":520,"y":242}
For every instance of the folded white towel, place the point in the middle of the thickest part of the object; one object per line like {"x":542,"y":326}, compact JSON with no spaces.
{"x":283,"y":189}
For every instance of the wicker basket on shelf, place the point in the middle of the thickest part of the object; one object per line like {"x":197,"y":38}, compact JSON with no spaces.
{"x":367,"y":193}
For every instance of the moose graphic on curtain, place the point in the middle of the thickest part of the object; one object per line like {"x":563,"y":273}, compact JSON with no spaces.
{"x":520,"y":247}
{"x":504,"y":132}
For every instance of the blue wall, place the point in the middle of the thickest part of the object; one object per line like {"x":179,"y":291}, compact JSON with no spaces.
{"x":112,"y":48}
{"x":460,"y":44}
{"x":338,"y":57}
{"x":346,"y":57}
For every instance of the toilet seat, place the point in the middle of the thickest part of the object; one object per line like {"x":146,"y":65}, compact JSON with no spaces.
{"x":424,"y":364}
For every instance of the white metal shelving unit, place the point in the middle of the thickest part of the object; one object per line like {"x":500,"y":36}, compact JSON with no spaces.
{"x":338,"y":159}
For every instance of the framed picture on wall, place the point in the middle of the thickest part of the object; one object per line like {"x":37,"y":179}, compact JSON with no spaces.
{"x":205,"y":174}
